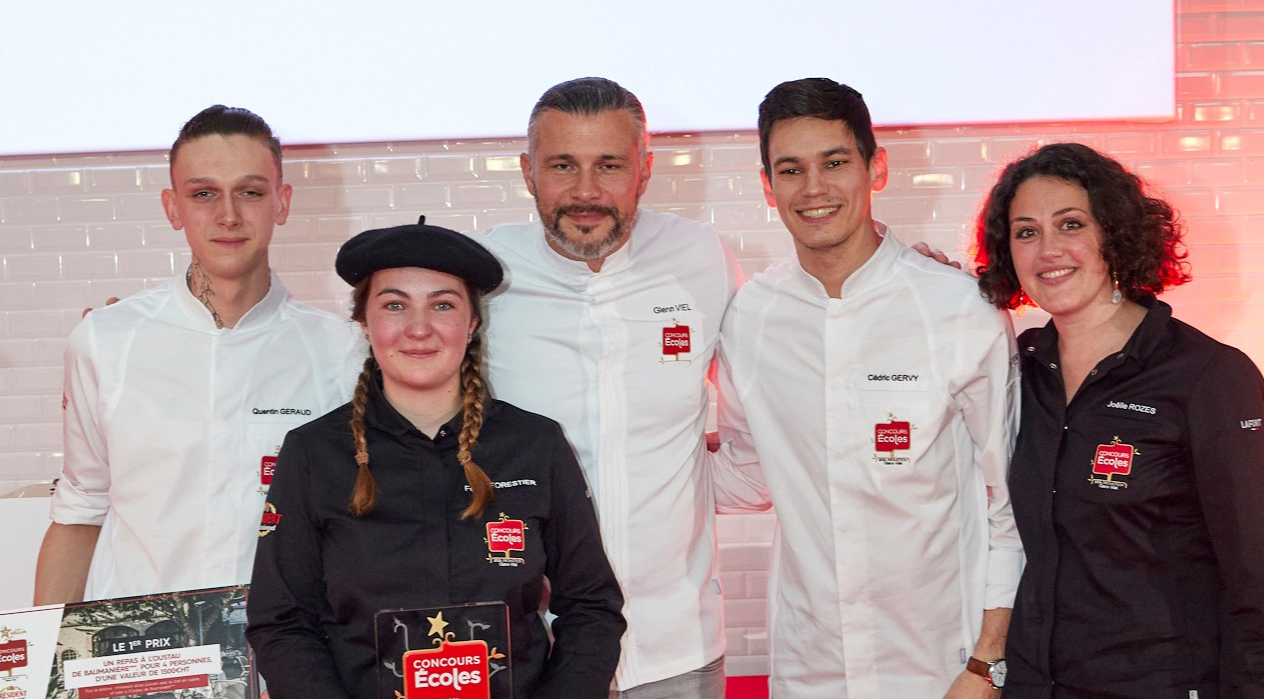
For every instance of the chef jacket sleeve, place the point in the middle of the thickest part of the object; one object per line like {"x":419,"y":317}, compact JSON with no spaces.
{"x":287,"y":592}
{"x":584,"y":594}
{"x":989,"y":400}
{"x":82,"y":495}
{"x":1227,"y":448}
{"x":734,"y":471}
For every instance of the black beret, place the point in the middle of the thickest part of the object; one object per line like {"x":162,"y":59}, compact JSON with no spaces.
{"x":418,"y":245}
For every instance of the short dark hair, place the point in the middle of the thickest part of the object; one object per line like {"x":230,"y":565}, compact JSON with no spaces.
{"x":820,"y":98}
{"x":586,"y":97}
{"x":218,"y":120}
{"x":1141,"y":235}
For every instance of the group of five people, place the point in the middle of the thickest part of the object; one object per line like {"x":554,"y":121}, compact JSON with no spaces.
{"x":869,"y":393}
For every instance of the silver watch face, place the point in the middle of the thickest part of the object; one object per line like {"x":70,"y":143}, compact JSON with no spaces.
{"x":997,"y":671}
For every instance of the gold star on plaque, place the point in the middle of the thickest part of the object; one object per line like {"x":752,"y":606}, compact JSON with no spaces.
{"x":437,"y":624}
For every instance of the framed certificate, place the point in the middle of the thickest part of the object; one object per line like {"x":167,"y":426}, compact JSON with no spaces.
{"x":185,"y":645}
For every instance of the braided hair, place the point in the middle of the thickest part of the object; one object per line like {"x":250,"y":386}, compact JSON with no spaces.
{"x":474,"y":395}
{"x":365,"y":493}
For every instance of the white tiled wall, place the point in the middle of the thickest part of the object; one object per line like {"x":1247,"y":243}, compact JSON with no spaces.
{"x":75,"y":230}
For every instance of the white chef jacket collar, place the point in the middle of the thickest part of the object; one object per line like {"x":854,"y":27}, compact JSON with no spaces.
{"x":874,"y":272}
{"x":261,"y":313}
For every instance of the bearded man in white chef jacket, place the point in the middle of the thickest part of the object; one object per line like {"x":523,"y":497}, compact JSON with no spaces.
{"x":872,"y":393}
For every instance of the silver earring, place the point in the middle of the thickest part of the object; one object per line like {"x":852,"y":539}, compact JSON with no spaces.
{"x":1116,"y":296}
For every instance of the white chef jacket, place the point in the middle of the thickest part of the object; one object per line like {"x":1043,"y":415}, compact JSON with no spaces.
{"x":881,"y":420}
{"x":170,"y":424}
{"x":620,"y":358}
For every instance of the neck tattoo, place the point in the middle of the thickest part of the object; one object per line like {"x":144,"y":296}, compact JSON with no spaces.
{"x":200,"y":287}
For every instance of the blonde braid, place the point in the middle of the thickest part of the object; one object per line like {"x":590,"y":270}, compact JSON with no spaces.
{"x":365,"y":494}
{"x":474,"y":392}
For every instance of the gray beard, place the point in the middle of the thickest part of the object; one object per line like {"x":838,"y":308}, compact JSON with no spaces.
{"x":585,"y":248}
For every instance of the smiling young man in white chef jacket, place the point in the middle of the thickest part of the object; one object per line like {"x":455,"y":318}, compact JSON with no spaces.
{"x":873,"y":392}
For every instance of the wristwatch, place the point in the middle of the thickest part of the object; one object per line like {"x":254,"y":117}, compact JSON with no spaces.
{"x":991,"y":670}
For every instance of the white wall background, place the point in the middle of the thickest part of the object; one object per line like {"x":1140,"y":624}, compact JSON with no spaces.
{"x":386,"y":70}
{"x":75,"y":230}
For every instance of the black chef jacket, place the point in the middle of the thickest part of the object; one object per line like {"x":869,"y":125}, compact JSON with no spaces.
{"x":322,"y":573}
{"x":1141,"y":510}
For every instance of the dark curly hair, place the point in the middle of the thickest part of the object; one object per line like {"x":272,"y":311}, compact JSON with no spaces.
{"x":1141,"y":235}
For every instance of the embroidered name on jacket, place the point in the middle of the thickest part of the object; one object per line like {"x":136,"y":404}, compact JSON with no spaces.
{"x":893,"y":377}
{"x":1134,"y":407}
{"x":280,"y":411}
{"x":507,"y":484}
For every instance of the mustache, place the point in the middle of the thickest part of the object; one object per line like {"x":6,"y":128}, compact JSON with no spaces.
{"x":586,"y":209}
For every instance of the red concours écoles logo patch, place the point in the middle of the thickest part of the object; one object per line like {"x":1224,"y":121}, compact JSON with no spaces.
{"x":505,"y":535}
{"x":1113,"y":460}
{"x":891,"y":436}
{"x":676,"y":340}
{"x":267,"y":469}
{"x":12,"y":655}
{"x":456,"y":670}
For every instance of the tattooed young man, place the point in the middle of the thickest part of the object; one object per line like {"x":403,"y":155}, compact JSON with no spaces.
{"x":177,"y":398}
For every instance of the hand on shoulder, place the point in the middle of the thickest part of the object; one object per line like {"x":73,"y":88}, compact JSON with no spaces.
{"x":109,"y":302}
{"x":935,"y":254}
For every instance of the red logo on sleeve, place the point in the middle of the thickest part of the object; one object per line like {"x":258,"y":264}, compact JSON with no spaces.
{"x":269,"y":521}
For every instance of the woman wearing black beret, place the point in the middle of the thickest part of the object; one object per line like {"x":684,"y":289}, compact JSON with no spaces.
{"x":386,"y":502}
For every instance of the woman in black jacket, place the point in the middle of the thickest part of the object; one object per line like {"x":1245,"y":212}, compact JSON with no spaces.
{"x":1138,"y":478}
{"x":423,"y":491}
